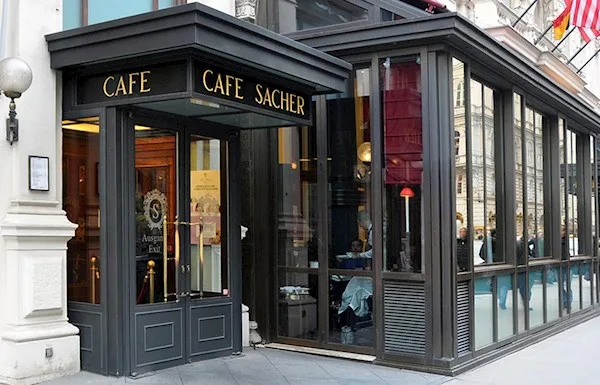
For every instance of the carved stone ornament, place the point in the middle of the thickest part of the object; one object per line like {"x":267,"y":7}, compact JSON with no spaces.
{"x":245,"y":10}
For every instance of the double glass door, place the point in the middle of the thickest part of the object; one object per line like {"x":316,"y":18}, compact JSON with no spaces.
{"x":181,"y":289}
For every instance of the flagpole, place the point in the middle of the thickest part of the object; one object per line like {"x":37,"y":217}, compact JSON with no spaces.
{"x":578,"y":52}
{"x":524,"y":13}
{"x":542,"y":35}
{"x":563,"y":39}
{"x":589,"y":60}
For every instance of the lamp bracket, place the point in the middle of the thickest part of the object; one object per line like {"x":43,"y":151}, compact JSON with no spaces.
{"x":12,"y":123}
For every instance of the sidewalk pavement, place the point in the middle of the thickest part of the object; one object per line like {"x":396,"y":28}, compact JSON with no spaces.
{"x":570,"y":357}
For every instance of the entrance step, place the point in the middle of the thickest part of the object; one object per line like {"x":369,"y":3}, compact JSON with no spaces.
{"x":321,"y":352}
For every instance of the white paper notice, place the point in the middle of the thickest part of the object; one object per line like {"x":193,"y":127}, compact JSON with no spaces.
{"x":38,"y":173}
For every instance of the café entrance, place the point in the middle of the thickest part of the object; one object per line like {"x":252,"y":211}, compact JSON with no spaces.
{"x":153,"y":108}
{"x":183,"y":307}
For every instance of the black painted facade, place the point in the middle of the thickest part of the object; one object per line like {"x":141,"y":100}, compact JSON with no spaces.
{"x":423,"y":317}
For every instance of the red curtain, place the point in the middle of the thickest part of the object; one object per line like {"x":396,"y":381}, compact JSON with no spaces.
{"x":402,"y":117}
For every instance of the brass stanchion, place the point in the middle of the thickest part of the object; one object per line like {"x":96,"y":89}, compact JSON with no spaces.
{"x":165,"y":257}
{"x":177,"y":259}
{"x":95,"y":275}
{"x":151,"y":273}
{"x":201,"y":258}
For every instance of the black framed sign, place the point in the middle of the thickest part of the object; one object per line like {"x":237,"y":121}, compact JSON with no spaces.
{"x":39,"y":173}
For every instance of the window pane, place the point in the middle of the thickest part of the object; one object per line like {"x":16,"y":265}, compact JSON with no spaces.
{"x":536,"y":247}
{"x":403,"y":160}
{"x":351,"y":312}
{"x":72,"y":15}
{"x":586,"y":284}
{"x":464,"y":247}
{"x":484,"y":315}
{"x":521,"y":309}
{"x":562,"y":152}
{"x":484,"y":174}
{"x":519,"y":181}
{"x":81,"y":202}
{"x":536,"y":299}
{"x":552,"y":293}
{"x":349,"y":149}
{"x":104,"y":10}
{"x":155,"y":201}
{"x":165,"y":3}
{"x":572,"y":189}
{"x":389,"y":16}
{"x":305,"y":14}
{"x":297,"y":197}
{"x":297,"y":305}
{"x":505,"y":306}
{"x":209,"y":274}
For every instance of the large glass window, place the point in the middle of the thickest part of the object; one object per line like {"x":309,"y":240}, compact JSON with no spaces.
{"x":351,"y":312}
{"x":464,"y":252}
{"x":208,"y":259}
{"x":570,"y":238}
{"x":157,"y":241}
{"x":97,"y":11}
{"x":297,"y":233}
{"x":81,"y":202}
{"x":483,"y":166}
{"x":321,"y":13}
{"x":529,"y":159}
{"x":403,"y":163}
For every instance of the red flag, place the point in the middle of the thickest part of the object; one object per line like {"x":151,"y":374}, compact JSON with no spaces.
{"x":561,"y":23}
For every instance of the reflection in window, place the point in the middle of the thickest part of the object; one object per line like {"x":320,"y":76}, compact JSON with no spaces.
{"x":321,"y":13}
{"x":389,"y":16}
{"x":552,"y":293}
{"x":569,"y":174}
{"x":403,"y":162}
{"x":586,"y":285}
{"x":483,"y":184}
{"x":520,"y":171}
{"x":463,"y":240}
{"x":484,"y":313}
{"x":297,"y":197}
{"x":536,"y":299}
{"x":81,"y":202}
{"x":349,"y":149}
{"x":505,"y":306}
{"x":562,"y":150}
{"x":530,"y":173}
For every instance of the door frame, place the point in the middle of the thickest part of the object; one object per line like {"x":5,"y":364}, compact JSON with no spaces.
{"x":184,"y":127}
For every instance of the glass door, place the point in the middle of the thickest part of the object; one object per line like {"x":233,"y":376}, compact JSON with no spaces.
{"x":207,"y":264}
{"x":159,"y":313}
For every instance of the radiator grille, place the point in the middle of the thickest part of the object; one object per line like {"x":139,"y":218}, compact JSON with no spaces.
{"x":404,"y":313}
{"x":463,"y":316}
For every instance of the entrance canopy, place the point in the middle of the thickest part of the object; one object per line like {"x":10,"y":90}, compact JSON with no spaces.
{"x":197,"y":62}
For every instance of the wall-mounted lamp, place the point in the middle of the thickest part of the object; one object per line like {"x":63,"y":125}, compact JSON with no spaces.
{"x":15,"y":78}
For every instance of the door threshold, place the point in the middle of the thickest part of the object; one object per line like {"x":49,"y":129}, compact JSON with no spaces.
{"x":322,"y":352}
